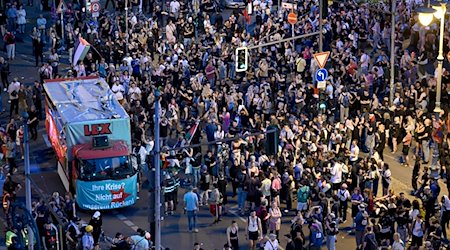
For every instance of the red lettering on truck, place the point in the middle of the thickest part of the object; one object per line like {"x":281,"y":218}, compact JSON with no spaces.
{"x":97,"y":129}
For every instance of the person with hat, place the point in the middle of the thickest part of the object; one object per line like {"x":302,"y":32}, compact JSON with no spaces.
{"x":87,"y":240}
{"x":272,"y":243}
{"x":96,"y":222}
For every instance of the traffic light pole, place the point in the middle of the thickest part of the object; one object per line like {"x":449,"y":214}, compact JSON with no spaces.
{"x":25,"y":117}
{"x":157,"y":183}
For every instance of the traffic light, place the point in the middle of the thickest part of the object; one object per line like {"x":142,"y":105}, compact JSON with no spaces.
{"x":241,"y":59}
{"x":272,"y":140}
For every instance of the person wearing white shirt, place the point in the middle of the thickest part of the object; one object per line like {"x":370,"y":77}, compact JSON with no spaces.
{"x":398,"y":244}
{"x":175,"y":8}
{"x":365,"y":59}
{"x":336,"y":175}
{"x":354,"y":152}
{"x":118,"y":91}
{"x":13,"y":91}
{"x":134,"y":93}
{"x":272,"y":243}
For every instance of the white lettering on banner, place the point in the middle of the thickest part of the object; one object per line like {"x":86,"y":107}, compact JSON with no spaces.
{"x":97,"y":188}
{"x":109,"y":206}
{"x":103,"y":197}
{"x":108,"y":186}
{"x":114,"y":186}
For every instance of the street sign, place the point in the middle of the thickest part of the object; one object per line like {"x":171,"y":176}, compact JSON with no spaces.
{"x":321,"y":84}
{"x":321,"y":58}
{"x":292,"y":18}
{"x":61,"y":7}
{"x":321,"y":75}
{"x":95,"y":8}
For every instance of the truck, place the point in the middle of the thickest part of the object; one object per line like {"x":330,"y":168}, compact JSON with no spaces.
{"x":89,"y":131}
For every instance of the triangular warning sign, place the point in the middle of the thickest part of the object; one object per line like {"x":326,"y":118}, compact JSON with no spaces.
{"x":61,"y":7}
{"x":321,"y":58}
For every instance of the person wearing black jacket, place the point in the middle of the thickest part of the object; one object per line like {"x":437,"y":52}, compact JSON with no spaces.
{"x":38,"y":51}
{"x":96,"y":222}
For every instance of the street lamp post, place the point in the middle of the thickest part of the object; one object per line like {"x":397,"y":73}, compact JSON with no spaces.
{"x":426,"y":17}
{"x":426,"y":14}
{"x":392,"y":52}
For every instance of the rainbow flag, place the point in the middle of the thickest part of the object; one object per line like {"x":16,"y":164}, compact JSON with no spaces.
{"x":82,"y":50}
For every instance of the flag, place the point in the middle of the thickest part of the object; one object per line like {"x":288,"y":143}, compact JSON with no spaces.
{"x":246,"y":15}
{"x":190,"y":134}
{"x":82,"y":50}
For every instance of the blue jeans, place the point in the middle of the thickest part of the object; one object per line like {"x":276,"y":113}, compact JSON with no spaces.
{"x":187,"y":42}
{"x":242,"y":196}
{"x":192,"y":219}
{"x":331,"y":242}
{"x":196,"y":176}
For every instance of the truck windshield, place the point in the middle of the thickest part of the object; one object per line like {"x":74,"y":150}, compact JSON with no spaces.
{"x":105,"y":168}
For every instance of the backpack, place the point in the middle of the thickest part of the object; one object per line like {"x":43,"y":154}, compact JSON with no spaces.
{"x":346,"y":101}
{"x":303,"y":194}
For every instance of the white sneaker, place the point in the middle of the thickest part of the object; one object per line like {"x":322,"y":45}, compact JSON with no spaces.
{"x":4,"y":89}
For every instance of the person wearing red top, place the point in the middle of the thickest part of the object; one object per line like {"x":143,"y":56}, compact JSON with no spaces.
{"x":10,"y":41}
{"x":210,"y":72}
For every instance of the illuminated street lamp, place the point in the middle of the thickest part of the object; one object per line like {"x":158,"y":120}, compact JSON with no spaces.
{"x":426,"y":14}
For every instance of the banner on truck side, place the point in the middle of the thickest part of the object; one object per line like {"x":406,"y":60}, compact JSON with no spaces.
{"x":107,"y":194}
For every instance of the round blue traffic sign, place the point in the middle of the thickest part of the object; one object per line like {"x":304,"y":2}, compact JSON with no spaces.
{"x":321,"y":75}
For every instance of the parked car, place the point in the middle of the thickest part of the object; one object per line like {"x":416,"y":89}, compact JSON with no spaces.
{"x":234,"y":4}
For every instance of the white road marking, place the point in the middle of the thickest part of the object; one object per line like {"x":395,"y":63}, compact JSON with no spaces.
{"x":232,"y":211}
{"x":128,"y":223}
{"x":121,"y":217}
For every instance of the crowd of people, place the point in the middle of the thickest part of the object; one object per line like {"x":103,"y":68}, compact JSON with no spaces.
{"x":331,"y":143}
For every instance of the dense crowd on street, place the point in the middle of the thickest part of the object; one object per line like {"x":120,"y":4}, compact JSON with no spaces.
{"x":329,"y":167}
